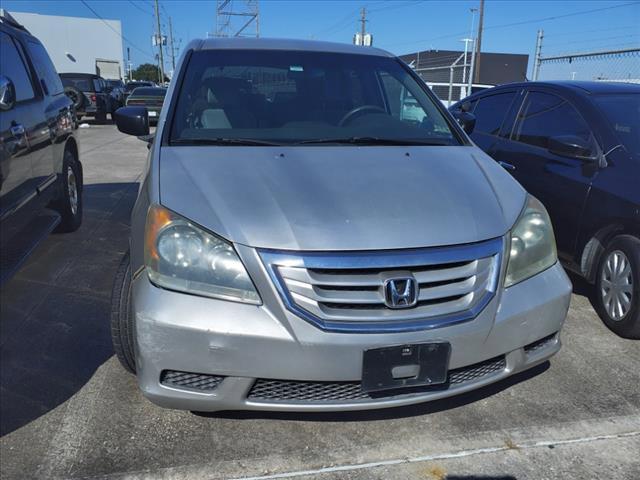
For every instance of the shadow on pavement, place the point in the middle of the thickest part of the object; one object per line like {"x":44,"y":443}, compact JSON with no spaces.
{"x":389,"y":413}
{"x":479,"y":477}
{"x":54,"y":322}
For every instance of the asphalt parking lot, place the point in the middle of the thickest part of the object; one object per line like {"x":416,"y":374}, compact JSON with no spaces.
{"x":69,"y":411}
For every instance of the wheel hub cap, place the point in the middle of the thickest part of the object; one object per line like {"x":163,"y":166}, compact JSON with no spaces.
{"x":616,"y":285}
{"x":73,"y":190}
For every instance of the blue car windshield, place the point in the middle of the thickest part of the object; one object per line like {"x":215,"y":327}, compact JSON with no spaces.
{"x":623,"y":114}
{"x":289,"y":97}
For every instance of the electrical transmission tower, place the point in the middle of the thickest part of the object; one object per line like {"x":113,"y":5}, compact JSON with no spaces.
{"x":237,"y":18}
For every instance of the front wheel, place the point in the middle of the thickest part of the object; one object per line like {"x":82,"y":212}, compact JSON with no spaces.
{"x":69,"y":205}
{"x":122,"y":321}
{"x":617,"y":295}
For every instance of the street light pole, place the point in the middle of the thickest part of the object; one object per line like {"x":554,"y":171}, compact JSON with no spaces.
{"x":473,"y":52}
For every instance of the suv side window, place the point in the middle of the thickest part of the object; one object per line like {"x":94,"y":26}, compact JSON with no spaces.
{"x":13,"y":66}
{"x":490,"y":112}
{"x":544,"y":115}
{"x":44,"y":66}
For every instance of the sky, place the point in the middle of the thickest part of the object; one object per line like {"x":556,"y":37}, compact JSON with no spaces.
{"x":400,"y":26}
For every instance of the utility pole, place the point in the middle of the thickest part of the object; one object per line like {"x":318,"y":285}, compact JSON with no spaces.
{"x":129,"y":62}
{"x":476,"y":75}
{"x":159,"y":41}
{"x":173,"y":51}
{"x":536,"y":60}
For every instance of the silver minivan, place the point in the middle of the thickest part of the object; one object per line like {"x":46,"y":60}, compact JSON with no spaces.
{"x":315,"y":232}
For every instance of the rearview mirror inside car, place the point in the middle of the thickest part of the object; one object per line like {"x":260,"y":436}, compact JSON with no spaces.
{"x":133,"y":120}
{"x":572,"y":146}
{"x":7,"y":93}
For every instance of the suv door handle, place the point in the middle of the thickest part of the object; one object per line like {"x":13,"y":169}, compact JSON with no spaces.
{"x":507,"y":166}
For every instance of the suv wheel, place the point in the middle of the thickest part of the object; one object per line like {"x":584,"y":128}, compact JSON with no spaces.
{"x":101,"y":117}
{"x":69,"y":206}
{"x":76,"y":96}
{"x":617,"y":295}
{"x":122,"y":322}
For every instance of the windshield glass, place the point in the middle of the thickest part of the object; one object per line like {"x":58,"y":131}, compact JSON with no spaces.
{"x":149,"y":92}
{"x":623,"y":113}
{"x":289,"y":97}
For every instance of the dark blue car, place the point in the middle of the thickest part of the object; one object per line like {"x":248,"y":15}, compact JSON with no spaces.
{"x":576,"y":147}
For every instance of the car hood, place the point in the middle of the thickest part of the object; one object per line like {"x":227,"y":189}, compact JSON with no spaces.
{"x":341,"y":197}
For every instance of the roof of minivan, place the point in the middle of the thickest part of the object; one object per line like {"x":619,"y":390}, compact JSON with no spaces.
{"x":80,"y":74}
{"x":582,"y":86}
{"x":285,"y":44}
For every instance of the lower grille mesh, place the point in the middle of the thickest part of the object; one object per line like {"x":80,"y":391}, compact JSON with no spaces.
{"x":194,"y":381}
{"x":539,"y":344}
{"x":287,"y":390}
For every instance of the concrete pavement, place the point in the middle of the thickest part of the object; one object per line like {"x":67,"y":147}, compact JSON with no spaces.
{"x":69,"y":411}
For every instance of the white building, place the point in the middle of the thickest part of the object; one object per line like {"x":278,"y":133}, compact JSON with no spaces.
{"x":78,"y":45}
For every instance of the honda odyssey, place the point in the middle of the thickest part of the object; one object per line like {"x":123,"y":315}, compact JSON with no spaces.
{"x":315,"y":232}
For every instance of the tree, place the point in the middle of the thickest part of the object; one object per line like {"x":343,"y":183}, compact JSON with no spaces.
{"x":148,"y":72}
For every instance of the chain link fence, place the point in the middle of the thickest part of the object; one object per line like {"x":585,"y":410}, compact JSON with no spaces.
{"x":621,"y":65}
{"x":449,"y":82}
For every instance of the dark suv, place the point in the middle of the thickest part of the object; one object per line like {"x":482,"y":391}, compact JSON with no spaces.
{"x":40,"y":172}
{"x":89,"y":94}
{"x":576,"y":147}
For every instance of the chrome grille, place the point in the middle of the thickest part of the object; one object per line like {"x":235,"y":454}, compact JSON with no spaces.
{"x":345,"y":291}
{"x":288,"y":390}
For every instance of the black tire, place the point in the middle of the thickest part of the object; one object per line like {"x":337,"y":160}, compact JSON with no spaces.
{"x":69,"y":205}
{"x":627,"y":324}
{"x":122,"y":321}
{"x":101,"y":117}
{"x":76,"y":96}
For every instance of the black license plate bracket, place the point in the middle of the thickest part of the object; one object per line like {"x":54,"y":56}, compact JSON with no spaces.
{"x":430,"y":360}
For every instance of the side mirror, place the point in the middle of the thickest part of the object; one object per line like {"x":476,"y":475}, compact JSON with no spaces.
{"x":7,"y":93}
{"x":133,"y":120}
{"x":573,"y":147}
{"x":466,"y":120}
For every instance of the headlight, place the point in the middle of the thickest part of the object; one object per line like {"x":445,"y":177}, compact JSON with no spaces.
{"x":533,"y":246}
{"x":181,"y":256}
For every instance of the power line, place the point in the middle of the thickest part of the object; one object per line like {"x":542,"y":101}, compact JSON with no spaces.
{"x":349,"y":18}
{"x":115,"y":31}
{"x":395,"y":5}
{"x":140,"y":8}
{"x":596,"y":30}
{"x":591,"y":40}
{"x":524,"y":22}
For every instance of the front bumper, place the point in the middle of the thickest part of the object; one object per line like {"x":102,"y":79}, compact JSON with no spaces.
{"x":245,"y":346}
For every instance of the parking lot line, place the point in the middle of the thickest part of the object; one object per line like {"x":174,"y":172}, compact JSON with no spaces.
{"x":443,"y":456}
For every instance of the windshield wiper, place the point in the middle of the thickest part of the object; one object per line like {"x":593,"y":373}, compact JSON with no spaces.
{"x":225,"y":141}
{"x":371,"y":141}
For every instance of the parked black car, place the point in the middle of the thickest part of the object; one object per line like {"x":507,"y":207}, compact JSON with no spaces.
{"x":40,"y":171}
{"x":575,"y":146}
{"x":150,"y":97}
{"x":89,"y":95}
{"x":131,"y":86}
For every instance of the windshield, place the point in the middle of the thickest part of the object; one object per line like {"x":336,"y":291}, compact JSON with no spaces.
{"x":287,"y":97}
{"x":623,"y":113}
{"x":149,"y":92}
{"x":132,"y":85}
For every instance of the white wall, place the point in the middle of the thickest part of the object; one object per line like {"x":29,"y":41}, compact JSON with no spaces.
{"x":73,"y":38}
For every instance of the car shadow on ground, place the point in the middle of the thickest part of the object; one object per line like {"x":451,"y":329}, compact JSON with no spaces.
{"x":425,"y":408}
{"x":54,"y":321}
